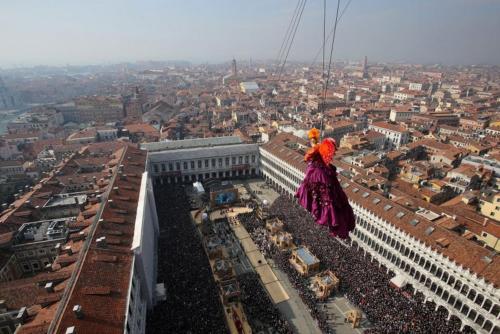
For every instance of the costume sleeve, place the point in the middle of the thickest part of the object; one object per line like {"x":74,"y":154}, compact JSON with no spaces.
{"x":312,"y":153}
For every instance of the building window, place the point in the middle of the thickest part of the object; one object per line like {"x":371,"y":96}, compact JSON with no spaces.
{"x":246,"y":159}
{"x":253,"y":158}
{"x":185,"y":165}
{"x":220,"y":162}
{"x":163,"y":167}
{"x":155,"y":168}
{"x":192,"y":164}
{"x":199,"y":163}
{"x":178,"y":166}
{"x":240,"y":159}
{"x":170,"y":167}
{"x":233,"y":160}
{"x":213,"y":162}
{"x":206,"y":163}
{"x":227,"y":161}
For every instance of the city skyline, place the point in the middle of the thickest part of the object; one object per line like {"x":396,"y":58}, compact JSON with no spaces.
{"x":449,"y":33}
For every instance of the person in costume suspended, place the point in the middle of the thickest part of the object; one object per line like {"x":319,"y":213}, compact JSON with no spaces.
{"x":320,"y":192}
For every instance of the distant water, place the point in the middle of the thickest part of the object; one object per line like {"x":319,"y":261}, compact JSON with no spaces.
{"x":5,"y":117}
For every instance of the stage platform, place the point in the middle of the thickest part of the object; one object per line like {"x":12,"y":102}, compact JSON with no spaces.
{"x":260,"y":265}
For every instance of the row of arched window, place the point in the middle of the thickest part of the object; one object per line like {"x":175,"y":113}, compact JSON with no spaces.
{"x":420,"y":276}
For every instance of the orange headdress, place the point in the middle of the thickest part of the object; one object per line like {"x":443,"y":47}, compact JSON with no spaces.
{"x":327,"y":150}
{"x":314,"y":134}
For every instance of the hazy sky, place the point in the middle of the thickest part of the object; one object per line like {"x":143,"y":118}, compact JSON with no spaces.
{"x":106,"y":31}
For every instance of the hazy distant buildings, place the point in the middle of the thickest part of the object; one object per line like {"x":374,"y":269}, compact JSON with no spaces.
{"x":98,"y":109}
{"x":249,"y":87}
{"x":7,"y":100}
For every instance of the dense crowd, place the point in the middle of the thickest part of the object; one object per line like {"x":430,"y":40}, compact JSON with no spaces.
{"x":363,"y":282}
{"x":192,"y":304}
{"x":261,"y":313}
{"x":258,"y":233}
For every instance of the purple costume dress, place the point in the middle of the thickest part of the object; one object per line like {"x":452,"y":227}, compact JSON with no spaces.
{"x":321,"y":194}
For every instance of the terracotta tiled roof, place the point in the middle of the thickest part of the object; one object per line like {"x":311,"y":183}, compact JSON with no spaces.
{"x":101,"y":287}
{"x":141,"y":127}
{"x":390,"y":126}
{"x":277,"y":146}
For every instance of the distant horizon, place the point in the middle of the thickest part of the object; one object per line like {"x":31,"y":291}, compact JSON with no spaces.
{"x":226,"y":61}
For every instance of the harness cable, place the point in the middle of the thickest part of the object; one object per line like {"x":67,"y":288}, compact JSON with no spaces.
{"x":324,"y":33}
{"x":285,"y":38}
{"x":329,"y":69}
{"x":331,"y":33}
{"x":293,"y":37}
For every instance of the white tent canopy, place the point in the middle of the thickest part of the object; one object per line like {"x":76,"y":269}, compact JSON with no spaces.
{"x":399,"y":281}
{"x":198,"y":187}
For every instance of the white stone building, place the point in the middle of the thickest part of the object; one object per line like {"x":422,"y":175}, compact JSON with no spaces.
{"x":456,"y":274}
{"x":195,"y":160}
{"x":395,"y":135}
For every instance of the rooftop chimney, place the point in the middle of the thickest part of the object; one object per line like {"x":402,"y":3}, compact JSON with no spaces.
{"x":22,"y":314}
{"x":101,"y":242}
{"x":68,"y":250}
{"x":3,"y":307}
{"x":49,"y":287}
{"x":77,"y":309}
{"x":71,"y":330}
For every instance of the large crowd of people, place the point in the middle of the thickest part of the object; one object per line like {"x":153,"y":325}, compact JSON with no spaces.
{"x":192,"y":304}
{"x":260,"y":236}
{"x":363,"y":282}
{"x":260,"y":312}
{"x":262,"y":315}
